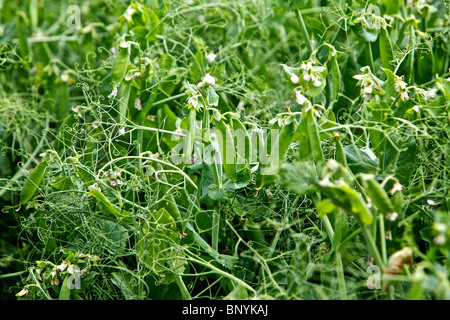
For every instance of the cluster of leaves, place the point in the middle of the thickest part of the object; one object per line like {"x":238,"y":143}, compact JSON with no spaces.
{"x":352,"y":176}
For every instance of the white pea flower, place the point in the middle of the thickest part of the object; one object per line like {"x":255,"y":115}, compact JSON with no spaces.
{"x":211,"y":57}
{"x":300,"y":98}
{"x":138,"y":104}
{"x":194,"y":101}
{"x":61,"y":267}
{"x":392,"y":216}
{"x":76,"y":109}
{"x":209,"y":80}
{"x":306,"y":77}
{"x":129,"y":13}
{"x":22,"y":292}
{"x":113,"y":93}
{"x":389,"y":235}
{"x":94,"y":186}
{"x":54,"y":281}
{"x":404,"y":96}
{"x":121,"y":131}
{"x":368,"y":90}
{"x":294,"y":78}
{"x":136,"y":75}
{"x":317,"y":83}
{"x":306,"y":66}
{"x":432,"y":203}
{"x":439,"y":239}
{"x":177,"y":135}
{"x":430,"y":95}
{"x":396,"y":187}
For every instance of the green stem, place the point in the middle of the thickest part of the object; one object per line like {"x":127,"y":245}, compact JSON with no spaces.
{"x":328,"y":228}
{"x":369,"y":56}
{"x":372,"y":246}
{"x":222,"y":273}
{"x":383,"y":238}
{"x":184,"y":291}
{"x":215,"y":230}
{"x":340,"y":276}
{"x":304,"y":31}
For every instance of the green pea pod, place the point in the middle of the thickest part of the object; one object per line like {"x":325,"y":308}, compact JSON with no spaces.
{"x":107,"y":207}
{"x":386,"y":51}
{"x":34,"y":180}
{"x":336,"y":77}
{"x":120,"y":66}
{"x":348,"y":199}
{"x":262,"y":155}
{"x":278,"y":147}
{"x":301,"y":134}
{"x":64,"y":294}
{"x":340,"y":153}
{"x":88,"y":49}
{"x":63,"y":101}
{"x":227,"y":149}
{"x":242,"y":151}
{"x":34,"y":8}
{"x":377,"y":194}
{"x":22,"y":26}
{"x":397,"y":201}
{"x":313,"y":135}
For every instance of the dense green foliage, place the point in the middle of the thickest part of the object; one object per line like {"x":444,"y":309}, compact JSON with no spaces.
{"x":347,"y":198}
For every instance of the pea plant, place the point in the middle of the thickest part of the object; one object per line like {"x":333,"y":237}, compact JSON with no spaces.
{"x":225,"y":150}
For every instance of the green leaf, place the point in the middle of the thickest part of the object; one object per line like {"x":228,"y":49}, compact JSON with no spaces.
{"x":156,"y":246}
{"x":211,"y":96}
{"x":239,"y":293}
{"x":444,"y":86}
{"x":198,"y":68}
{"x":296,"y":4}
{"x":325,"y":207}
{"x":316,"y":26}
{"x":360,"y":161}
{"x":369,"y":35}
{"x":406,"y":163}
{"x":167,"y":120}
{"x":392,"y":6}
{"x":299,"y":177}
{"x":123,"y":282}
